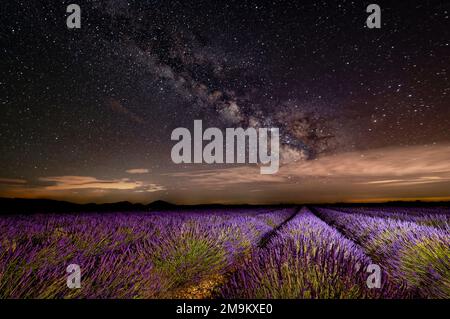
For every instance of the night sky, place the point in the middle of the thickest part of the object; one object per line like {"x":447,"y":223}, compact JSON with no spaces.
{"x":87,"y":114}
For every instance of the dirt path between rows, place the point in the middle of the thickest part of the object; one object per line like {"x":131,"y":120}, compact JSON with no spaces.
{"x":203,"y":290}
{"x":267,"y":237}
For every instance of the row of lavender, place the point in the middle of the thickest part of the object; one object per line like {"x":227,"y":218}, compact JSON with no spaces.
{"x":137,"y":255}
{"x":408,"y":249}
{"x":438,"y":217}
{"x":309,"y":259}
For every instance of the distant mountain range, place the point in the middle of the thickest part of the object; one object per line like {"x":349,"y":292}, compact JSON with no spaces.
{"x":32,"y":206}
{"x":27,"y":206}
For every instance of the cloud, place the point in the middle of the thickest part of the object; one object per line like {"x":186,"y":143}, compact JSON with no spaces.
{"x":88,"y":182}
{"x":63,"y":183}
{"x":12,"y":181}
{"x":138,"y":171}
{"x":401,"y":166}
{"x":406,"y":173}
{"x":82,"y":189}
{"x":409,"y":181}
{"x":417,"y":161}
{"x":227,"y":176}
{"x":396,"y":173}
{"x":84,"y":182}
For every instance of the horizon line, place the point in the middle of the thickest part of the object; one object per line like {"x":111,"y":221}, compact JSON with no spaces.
{"x":349,"y":201}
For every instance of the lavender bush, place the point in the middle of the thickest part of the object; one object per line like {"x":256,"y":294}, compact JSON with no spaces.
{"x":228,"y":253}
{"x":307,"y":259}
{"x":436,"y":217}
{"x":124,"y":255}
{"x":416,"y":254}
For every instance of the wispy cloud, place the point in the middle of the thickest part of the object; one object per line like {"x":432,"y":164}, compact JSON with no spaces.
{"x":388,"y":173}
{"x":12,"y":181}
{"x":419,"y":164}
{"x":409,"y":181}
{"x":430,"y":162}
{"x":79,"y":188}
{"x":83,"y":182}
{"x":228,"y":176}
{"x":88,"y":182}
{"x":138,"y":171}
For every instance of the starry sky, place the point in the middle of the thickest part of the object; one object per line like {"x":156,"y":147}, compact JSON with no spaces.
{"x":87,"y":114}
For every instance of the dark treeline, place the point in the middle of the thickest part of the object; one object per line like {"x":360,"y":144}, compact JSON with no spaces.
{"x":12,"y":206}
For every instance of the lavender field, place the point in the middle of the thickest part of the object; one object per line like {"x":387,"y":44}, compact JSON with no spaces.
{"x":314,"y":252}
